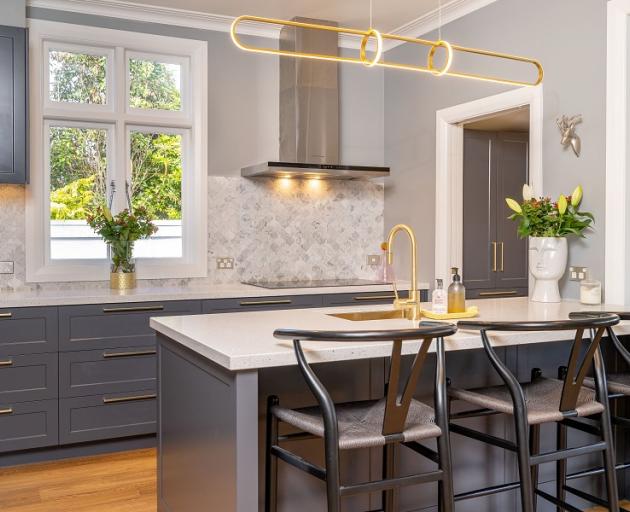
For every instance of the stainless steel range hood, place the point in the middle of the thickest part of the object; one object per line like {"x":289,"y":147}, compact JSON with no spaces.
{"x":309,"y":113}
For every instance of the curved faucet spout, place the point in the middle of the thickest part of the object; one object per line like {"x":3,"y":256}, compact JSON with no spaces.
{"x":414,"y":300}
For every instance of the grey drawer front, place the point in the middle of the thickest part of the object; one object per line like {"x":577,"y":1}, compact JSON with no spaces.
{"x":262,"y":303}
{"x":91,"y":418}
{"x":28,"y":331}
{"x":107,"y":371}
{"x":115,"y":325}
{"x":362,"y":298}
{"x":28,"y":425}
{"x":28,"y":377}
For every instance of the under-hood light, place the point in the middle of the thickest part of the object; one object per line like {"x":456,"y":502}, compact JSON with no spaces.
{"x":376,"y":60}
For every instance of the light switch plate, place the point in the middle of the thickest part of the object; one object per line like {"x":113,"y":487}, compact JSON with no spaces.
{"x":577,"y":273}
{"x":374,"y":260}
{"x":6,"y":267}
{"x":225,"y":263}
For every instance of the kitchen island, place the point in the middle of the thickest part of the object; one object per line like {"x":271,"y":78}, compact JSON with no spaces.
{"x":215,"y":372}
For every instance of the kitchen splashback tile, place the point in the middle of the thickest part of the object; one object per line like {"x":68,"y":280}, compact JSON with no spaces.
{"x":274,"y":229}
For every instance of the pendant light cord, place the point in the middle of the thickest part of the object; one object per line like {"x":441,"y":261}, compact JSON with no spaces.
{"x":371,"y":15}
{"x":439,"y":20}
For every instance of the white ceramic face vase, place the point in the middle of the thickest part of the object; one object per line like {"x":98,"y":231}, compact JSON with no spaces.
{"x":547,"y":263}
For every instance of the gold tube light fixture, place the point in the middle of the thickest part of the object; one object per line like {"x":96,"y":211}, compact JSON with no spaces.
{"x":376,"y":59}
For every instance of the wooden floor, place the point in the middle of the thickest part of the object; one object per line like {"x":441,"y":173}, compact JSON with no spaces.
{"x":624,"y":504}
{"x":122,"y":482}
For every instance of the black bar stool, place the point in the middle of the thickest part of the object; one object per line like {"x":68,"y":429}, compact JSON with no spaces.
{"x":395,"y":419}
{"x":618,"y":387}
{"x":544,"y":400}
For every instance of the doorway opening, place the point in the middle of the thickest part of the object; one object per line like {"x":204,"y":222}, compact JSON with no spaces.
{"x":512,"y":112}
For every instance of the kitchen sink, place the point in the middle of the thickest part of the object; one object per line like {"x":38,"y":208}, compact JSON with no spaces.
{"x":362,"y":316}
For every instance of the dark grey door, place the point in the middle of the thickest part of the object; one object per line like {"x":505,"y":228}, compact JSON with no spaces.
{"x":495,"y":258}
{"x":13,"y":97}
{"x":512,"y":166}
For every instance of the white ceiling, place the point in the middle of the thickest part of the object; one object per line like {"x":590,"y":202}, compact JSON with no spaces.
{"x":388,"y":14}
{"x":512,"y":121}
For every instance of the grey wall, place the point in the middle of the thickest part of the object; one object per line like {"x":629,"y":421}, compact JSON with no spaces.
{"x":569,"y":37}
{"x":243,"y":98}
{"x":13,"y":13}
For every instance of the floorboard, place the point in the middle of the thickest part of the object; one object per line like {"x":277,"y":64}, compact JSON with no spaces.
{"x":121,"y":482}
{"x":624,"y":504}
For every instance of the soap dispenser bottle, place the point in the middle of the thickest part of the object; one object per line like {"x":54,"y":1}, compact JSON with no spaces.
{"x":456,"y":293}
{"x":439,"y":298}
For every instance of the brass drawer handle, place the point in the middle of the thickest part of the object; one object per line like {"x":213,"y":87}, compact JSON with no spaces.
{"x":6,"y":411}
{"x":375,"y":297}
{"x":120,"y":399}
{"x":8,"y":362}
{"x":494,"y":256}
{"x":108,"y":355}
{"x":6,"y":315}
{"x":132,"y":309}
{"x":492,"y":294}
{"x":265,"y":302}
{"x":501,"y":267}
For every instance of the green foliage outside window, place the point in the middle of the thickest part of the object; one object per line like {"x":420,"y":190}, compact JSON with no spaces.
{"x":78,"y":156}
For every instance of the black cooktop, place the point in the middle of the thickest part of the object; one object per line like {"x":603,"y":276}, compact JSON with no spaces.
{"x":318,"y":283}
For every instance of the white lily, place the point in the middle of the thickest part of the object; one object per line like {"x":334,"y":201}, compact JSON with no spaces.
{"x":527,"y":192}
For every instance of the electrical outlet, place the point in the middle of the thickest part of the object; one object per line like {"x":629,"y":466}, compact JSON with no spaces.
{"x":577,"y":273}
{"x":374,"y":260}
{"x":6,"y":267}
{"x":225,"y":263}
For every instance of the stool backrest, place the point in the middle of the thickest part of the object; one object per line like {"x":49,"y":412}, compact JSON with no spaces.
{"x":596,"y":323}
{"x":396,"y":409}
{"x":623,"y":315}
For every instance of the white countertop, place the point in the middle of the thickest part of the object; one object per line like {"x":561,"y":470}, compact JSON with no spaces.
{"x":242,"y":341}
{"x":94,"y":295}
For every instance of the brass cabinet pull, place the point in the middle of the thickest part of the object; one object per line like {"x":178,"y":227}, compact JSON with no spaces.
{"x":8,"y":362}
{"x":132,"y":309}
{"x":6,"y":315}
{"x":6,"y":411}
{"x":494,"y":256}
{"x":108,"y":355}
{"x":375,"y":297}
{"x":120,"y":399}
{"x":264,"y":302}
{"x":498,"y":293}
{"x":502,"y":246}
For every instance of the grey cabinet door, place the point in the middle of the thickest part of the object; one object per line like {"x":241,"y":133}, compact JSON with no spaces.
{"x":92,"y":418}
{"x":100,"y":326}
{"x":13,"y":105}
{"x":28,"y":425}
{"x":479,"y":211}
{"x":262,"y":303}
{"x":93,"y":372}
{"x":28,"y":377}
{"x":28,"y":331}
{"x":512,"y":172}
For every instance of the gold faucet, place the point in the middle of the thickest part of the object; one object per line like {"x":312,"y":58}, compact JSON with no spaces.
{"x":410,"y":306}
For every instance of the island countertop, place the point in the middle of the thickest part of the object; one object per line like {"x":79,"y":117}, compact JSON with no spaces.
{"x":244,"y":341}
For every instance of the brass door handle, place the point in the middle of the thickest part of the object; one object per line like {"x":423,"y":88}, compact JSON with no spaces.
{"x":501,"y":267}
{"x":494,"y":256}
{"x":132,"y":309}
{"x":374,"y":297}
{"x":498,"y":293}
{"x":117,"y":400}
{"x":6,"y":411}
{"x":264,"y":302}
{"x":8,"y":362}
{"x":108,"y":355}
{"x":6,"y":315}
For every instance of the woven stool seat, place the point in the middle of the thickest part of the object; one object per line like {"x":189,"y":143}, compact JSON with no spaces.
{"x":617,"y":383}
{"x":542,"y":397}
{"x":361,"y":423}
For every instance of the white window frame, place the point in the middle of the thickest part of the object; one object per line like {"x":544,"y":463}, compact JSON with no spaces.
{"x":190,"y":122}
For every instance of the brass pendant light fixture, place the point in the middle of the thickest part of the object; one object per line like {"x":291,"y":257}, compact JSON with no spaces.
{"x":450,"y":51}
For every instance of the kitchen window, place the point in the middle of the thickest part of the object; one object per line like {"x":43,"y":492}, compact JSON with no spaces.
{"x":121,"y":118}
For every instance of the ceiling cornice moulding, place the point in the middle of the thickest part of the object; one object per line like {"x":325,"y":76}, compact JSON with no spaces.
{"x":220,"y":23}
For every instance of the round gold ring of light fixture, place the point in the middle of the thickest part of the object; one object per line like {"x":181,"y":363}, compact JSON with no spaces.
{"x":379,"y":48}
{"x":449,"y":57}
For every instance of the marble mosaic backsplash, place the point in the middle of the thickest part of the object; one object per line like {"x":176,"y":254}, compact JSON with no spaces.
{"x":274,"y":229}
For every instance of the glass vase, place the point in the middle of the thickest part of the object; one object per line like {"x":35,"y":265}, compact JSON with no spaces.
{"x":122,"y":265}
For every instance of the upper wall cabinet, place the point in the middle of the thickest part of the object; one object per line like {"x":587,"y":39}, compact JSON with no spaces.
{"x":13,"y":105}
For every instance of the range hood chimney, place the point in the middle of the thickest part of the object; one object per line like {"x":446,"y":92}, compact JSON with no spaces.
{"x":309,"y":112}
